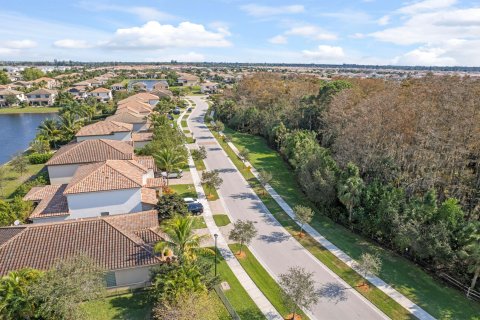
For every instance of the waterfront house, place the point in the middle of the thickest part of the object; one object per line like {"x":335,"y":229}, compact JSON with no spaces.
{"x":10,"y":96}
{"x":111,"y":130}
{"x":65,"y":162}
{"x":143,"y":97}
{"x":188,"y":80}
{"x":101,"y":94}
{"x":162,"y":93}
{"x":140,"y":122}
{"x":117,"y":86}
{"x":122,"y":245}
{"x":45,"y":82}
{"x":209,"y":87}
{"x":161,"y":84}
{"x":139,"y":86}
{"x":97,"y":189}
{"x":42,"y":97}
{"x":78,"y":92}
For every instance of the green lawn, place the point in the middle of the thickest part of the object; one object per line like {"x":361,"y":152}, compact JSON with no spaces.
{"x":184,"y":124}
{"x":211,"y":193}
{"x":129,"y":306}
{"x":199,"y":222}
{"x":14,"y":179}
{"x":186,"y":131}
{"x":221,"y":220}
{"x":200,"y":165}
{"x":263,"y":280}
{"x":436,"y":298}
{"x":16,"y":110}
{"x":184,"y":190}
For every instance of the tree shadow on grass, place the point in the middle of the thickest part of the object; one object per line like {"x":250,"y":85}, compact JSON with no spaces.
{"x":134,"y":307}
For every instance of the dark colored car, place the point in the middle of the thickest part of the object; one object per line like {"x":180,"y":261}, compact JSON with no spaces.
{"x":176,"y":111}
{"x":195,"y":208}
{"x":169,"y":116}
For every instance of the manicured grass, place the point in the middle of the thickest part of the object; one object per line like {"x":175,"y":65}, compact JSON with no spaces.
{"x":375,"y":295}
{"x":184,"y":190}
{"x":14,"y":179}
{"x":16,"y":110}
{"x":200,"y":165}
{"x":264,"y":281}
{"x":184,"y":124}
{"x":221,"y":220}
{"x":237,"y":296}
{"x":186,"y":131}
{"x":211,"y":193}
{"x":436,"y":298}
{"x":134,"y":306}
{"x":199,"y":222}
{"x":190,"y":140}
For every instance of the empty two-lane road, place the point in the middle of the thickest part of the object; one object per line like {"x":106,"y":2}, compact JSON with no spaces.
{"x":274,"y":246}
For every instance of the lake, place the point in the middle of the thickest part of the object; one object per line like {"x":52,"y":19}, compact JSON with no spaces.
{"x":17,"y":131}
{"x":149,"y":83}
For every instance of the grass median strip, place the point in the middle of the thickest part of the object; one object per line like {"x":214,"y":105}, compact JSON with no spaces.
{"x":221,"y":220}
{"x":433,"y":296}
{"x":390,"y":307}
{"x":211,"y":193}
{"x":263,"y":280}
{"x":200,"y":165}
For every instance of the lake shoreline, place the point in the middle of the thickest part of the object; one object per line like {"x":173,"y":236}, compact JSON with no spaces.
{"x":29,"y":110}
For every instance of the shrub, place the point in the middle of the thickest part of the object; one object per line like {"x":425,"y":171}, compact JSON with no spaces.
{"x":39,"y":158}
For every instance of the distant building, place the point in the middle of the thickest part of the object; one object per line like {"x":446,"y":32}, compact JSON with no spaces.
{"x":188,"y":80}
{"x":161,"y":84}
{"x":209,"y":87}
{"x":117,"y":86}
{"x":9,"y":94}
{"x":101,"y":94}
{"x":42,"y":97}
{"x":48,"y":83}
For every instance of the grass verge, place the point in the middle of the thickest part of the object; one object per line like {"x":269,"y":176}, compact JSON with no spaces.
{"x":221,"y":220}
{"x":439,"y":300}
{"x":14,"y":179}
{"x":263,"y":280}
{"x":184,"y":190}
{"x":126,"y":306}
{"x":211,"y":193}
{"x":200,"y":165}
{"x":199,"y":222}
{"x":15,"y":110}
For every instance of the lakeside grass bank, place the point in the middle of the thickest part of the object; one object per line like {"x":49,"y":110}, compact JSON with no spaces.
{"x":12,"y":110}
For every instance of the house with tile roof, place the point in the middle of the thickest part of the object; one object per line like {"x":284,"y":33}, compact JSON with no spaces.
{"x":118,"y":86}
{"x":45,"y":82}
{"x":98,"y":189}
{"x":42,"y":97}
{"x":6,"y":93}
{"x":111,"y":130}
{"x":135,"y":106}
{"x":140,"y":122}
{"x":101,"y":94}
{"x":188,"y":80}
{"x":143,"y":97}
{"x":121,"y":244}
{"x":65,"y":162}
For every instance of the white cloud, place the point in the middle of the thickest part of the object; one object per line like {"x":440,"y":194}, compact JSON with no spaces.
{"x":265,"y":11}
{"x":383,"y":21}
{"x":425,"y":56}
{"x":311,"y":31}
{"x":72,"y":44}
{"x":280,"y":39}
{"x":325,"y":53}
{"x":142,"y":12}
{"x":357,"y":35}
{"x":426,"y":6}
{"x":154,"y":35}
{"x":20,"y":44}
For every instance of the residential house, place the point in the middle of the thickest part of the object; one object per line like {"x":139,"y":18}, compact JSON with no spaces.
{"x":161,"y":93}
{"x":140,"y":122}
{"x":117,"y":86}
{"x":101,"y":94}
{"x":97,"y":189}
{"x":78,"y":92}
{"x":21,"y":84}
{"x":85,"y":83}
{"x":121,"y":244}
{"x":45,"y":82}
{"x":135,"y":106}
{"x":141,"y":139}
{"x":143,"y":97}
{"x":139,"y":86}
{"x":65,"y":162}
{"x":160,"y":85}
{"x":188,"y":80}
{"x":42,"y":97}
{"x":110,"y":130}
{"x":8,"y":96}
{"x":209,"y":87}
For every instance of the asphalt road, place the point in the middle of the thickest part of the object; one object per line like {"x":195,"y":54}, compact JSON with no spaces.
{"x":274,"y":247}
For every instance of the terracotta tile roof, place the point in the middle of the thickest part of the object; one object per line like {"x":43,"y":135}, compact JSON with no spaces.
{"x":41,"y":91}
{"x":104,"y":128}
{"x":162,"y":93}
{"x":149,"y":236}
{"x":155,"y":183}
{"x":136,"y":105}
{"x":149,"y":196}
{"x":101,"y":90}
{"x":92,"y":151}
{"x":147,"y":162}
{"x":141,"y":96}
{"x":51,"y":201}
{"x":103,"y":239}
{"x":8,"y":92}
{"x":105,"y":176}
{"x":128,"y":117}
{"x":46,"y":79}
{"x":142,"y":136}
{"x":135,"y":109}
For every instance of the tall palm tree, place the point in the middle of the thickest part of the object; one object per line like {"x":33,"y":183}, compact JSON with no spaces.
{"x":15,"y":299}
{"x":350,"y":191}
{"x":182,"y":239}
{"x":50,"y":130}
{"x":169,"y":159}
{"x":69,"y":125}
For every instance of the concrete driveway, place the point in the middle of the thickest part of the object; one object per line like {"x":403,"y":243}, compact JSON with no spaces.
{"x":274,"y":247}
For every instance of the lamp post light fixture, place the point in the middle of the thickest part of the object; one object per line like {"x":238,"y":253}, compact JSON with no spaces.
{"x":216,"y":236}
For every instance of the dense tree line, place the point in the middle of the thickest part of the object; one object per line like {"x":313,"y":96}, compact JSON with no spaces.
{"x":395,"y":161}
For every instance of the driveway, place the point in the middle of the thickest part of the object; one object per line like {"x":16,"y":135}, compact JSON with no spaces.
{"x":274,"y":247}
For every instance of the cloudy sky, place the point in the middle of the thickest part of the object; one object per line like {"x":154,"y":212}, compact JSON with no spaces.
{"x":428,"y":32}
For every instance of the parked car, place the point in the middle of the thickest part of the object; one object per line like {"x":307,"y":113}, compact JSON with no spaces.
{"x":189,"y":109}
{"x":195,"y":208}
{"x":170,"y":117}
{"x":173,"y":175}
{"x":176,"y":111}
{"x":190,"y":200}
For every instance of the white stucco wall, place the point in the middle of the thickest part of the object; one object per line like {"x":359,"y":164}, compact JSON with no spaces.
{"x":120,"y":136}
{"x":60,"y":174}
{"x":128,"y":277}
{"x":92,"y":204}
{"x":49,"y":220}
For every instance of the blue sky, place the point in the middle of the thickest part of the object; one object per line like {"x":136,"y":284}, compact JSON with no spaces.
{"x":425,"y":32}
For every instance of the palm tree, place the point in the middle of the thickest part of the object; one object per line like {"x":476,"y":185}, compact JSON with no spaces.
{"x":49,"y":129}
{"x":169,"y":159}
{"x":15,"y":299}
{"x":182,"y":239}
{"x":69,"y":125}
{"x":471,"y":254}
{"x":350,"y":191}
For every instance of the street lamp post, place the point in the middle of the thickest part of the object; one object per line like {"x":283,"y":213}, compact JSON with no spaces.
{"x":216,"y":236}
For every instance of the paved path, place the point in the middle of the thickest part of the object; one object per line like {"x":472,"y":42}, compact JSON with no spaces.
{"x":257,"y":296}
{"x":274,"y":247}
